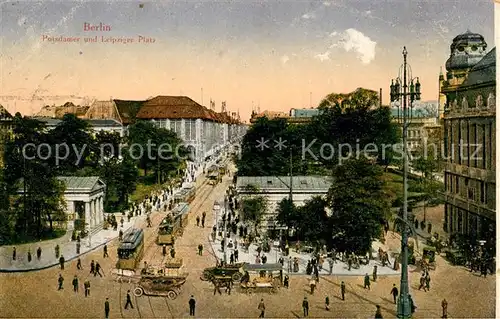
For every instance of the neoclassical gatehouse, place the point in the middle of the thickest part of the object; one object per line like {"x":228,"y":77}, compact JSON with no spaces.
{"x":84,"y":197}
{"x":469,"y":136}
{"x":203,"y":130}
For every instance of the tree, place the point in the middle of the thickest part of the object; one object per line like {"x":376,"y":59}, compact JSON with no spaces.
{"x":253,"y":209}
{"x":358,"y":204}
{"x":288,"y":214}
{"x":315,"y":225}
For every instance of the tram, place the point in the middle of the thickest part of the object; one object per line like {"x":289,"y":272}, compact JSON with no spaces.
{"x":172,"y":226}
{"x":131,"y":249}
{"x":186,"y":194}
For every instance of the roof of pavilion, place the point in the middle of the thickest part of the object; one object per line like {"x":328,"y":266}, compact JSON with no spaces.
{"x":263,"y":183}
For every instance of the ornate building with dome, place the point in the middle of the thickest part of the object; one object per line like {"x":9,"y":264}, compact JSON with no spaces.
{"x":469,"y":105}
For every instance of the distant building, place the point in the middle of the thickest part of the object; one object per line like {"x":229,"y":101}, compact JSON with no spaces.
{"x":269,"y":114}
{"x":53,"y":111}
{"x":111,"y":126}
{"x":421,"y":125}
{"x":204,"y":131}
{"x":296,"y":116}
{"x":276,"y":188}
{"x":469,"y":120}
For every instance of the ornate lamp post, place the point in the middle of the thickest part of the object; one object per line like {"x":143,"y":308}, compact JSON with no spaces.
{"x":399,"y":92}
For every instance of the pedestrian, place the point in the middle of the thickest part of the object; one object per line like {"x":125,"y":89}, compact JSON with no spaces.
{"x":330,"y":264}
{"x":349,"y":263}
{"x":305,"y":307}
{"x":203,"y":219}
{"x":236,"y":253}
{"x":164,"y":250}
{"x":200,"y":249}
{"x":327,"y":303}
{"x":374,"y":273}
{"x":216,"y":287}
{"x":172,"y":252}
{"x":106,"y":308}
{"x":60,"y":280}
{"x":92,"y":267}
{"x":192,"y":306}
{"x":262,"y":308}
{"x":394,"y":292}
{"x":86,"y":285}
{"x":61,"y":262}
{"x":286,"y":281}
{"x":312,"y":284}
{"x":39,"y":253}
{"x":57,"y":251}
{"x":122,"y":221}
{"x":120,"y":235}
{"x":428,"y":282}
{"x":78,"y":246}
{"x":198,"y":221}
{"x":75,"y":284}
{"x":342,"y":290}
{"x":79,"y":264}
{"x":97,"y":270}
{"x":444,"y":305}
{"x":422,"y":283}
{"x":129,"y":301}
{"x":14,"y":253}
{"x":105,"y":249}
{"x":378,"y":313}
{"x":231,"y":259}
{"x":29,"y":255}
{"x":367,"y":281}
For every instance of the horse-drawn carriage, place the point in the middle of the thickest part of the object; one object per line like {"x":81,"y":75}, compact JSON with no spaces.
{"x":232,"y":271}
{"x":428,"y":260}
{"x":267,"y":278}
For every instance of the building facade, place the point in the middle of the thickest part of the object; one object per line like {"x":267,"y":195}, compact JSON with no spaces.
{"x":204,"y":131}
{"x":276,"y":188}
{"x":110,"y":126}
{"x":469,"y":137}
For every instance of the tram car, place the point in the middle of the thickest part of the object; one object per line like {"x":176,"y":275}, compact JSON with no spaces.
{"x":172,"y":226}
{"x":186,"y":194}
{"x":131,"y":249}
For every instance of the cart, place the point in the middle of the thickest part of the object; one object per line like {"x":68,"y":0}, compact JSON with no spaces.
{"x":267,"y":278}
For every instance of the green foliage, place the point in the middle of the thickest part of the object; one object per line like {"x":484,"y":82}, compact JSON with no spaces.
{"x":254,"y":208}
{"x":359,"y":205}
{"x":347,"y":122}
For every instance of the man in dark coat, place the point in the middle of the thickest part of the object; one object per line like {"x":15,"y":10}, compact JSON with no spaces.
{"x":61,"y":262}
{"x":342,"y":290}
{"x":129,"y":301}
{"x":39,"y":253}
{"x":192,"y":306}
{"x":378,"y":313}
{"x":86,"y":285}
{"x":305,"y":307}
{"x":14,"y":253}
{"x":106,"y":308}
{"x":394,"y":292}
{"x":61,"y":282}
{"x":75,"y":284}
{"x":367,"y":282}
{"x":92,"y":267}
{"x":203,"y":219}
{"x":105,"y":249}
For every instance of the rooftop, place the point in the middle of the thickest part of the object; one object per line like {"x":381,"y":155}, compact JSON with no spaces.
{"x":321,"y":183}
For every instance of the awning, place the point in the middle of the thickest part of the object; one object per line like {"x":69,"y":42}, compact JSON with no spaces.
{"x":260,"y":267}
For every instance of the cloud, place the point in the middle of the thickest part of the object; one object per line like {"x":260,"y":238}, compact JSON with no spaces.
{"x":356,"y":41}
{"x":327,"y":4}
{"x":334,"y":33}
{"x":308,"y":16}
{"x":285,"y":59}
{"x":323,"y":56}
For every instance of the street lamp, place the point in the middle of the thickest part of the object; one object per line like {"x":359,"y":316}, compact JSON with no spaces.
{"x":399,"y":92}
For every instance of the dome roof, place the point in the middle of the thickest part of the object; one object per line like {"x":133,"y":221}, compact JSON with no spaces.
{"x":466,"y":50}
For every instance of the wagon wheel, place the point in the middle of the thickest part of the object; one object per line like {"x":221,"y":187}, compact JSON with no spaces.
{"x":138,"y":291}
{"x":236,"y":276}
{"x":205,"y":276}
{"x":171,"y":294}
{"x":178,"y":290}
{"x":249,"y":291}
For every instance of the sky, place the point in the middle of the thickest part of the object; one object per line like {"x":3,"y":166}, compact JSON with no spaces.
{"x":267,"y":55}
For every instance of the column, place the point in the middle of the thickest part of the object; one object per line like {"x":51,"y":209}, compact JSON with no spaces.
{"x":94,"y":211}
{"x":87,"y":214}
{"x":101,"y":205}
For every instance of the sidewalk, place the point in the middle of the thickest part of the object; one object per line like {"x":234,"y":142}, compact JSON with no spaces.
{"x":66,"y":245}
{"x":339,"y":268}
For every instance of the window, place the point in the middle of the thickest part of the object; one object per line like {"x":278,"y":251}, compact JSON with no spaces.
{"x":471,"y":193}
{"x":457,"y":184}
{"x":482,"y":192}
